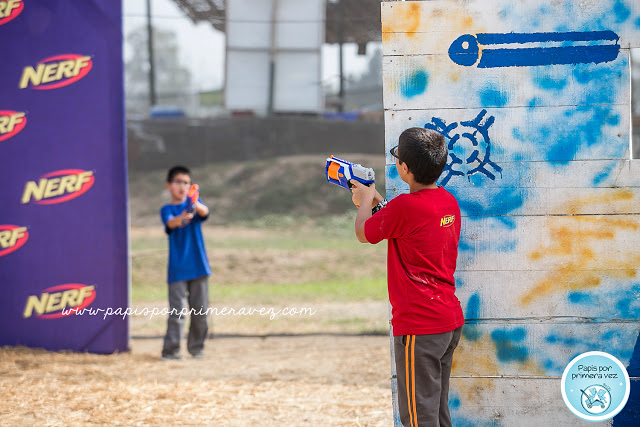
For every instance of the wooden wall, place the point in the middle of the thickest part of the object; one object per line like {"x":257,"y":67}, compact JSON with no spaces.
{"x":540,"y":163}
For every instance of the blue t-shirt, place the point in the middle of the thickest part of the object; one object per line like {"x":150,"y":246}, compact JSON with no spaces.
{"x":187,"y":254}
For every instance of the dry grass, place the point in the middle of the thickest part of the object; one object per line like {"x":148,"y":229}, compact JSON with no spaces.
{"x":317,"y":381}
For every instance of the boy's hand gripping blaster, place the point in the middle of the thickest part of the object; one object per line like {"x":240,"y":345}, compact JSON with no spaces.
{"x":340,"y":171}
{"x":192,"y":195}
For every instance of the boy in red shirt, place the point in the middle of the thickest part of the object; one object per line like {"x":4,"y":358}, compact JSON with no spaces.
{"x":423,"y":230}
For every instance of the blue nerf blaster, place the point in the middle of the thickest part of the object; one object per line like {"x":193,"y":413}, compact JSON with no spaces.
{"x":192,"y":195}
{"x":340,"y":171}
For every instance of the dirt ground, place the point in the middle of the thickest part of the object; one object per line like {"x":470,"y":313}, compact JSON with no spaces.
{"x":317,"y":380}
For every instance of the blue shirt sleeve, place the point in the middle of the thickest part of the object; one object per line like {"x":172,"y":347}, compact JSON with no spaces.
{"x":166,"y":215}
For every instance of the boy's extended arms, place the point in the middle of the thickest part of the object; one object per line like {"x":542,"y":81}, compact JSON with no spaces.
{"x":201,"y":209}
{"x":179,"y":220}
{"x":367,"y":195}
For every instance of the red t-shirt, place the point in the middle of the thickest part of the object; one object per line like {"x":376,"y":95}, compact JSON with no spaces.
{"x":423,"y":229}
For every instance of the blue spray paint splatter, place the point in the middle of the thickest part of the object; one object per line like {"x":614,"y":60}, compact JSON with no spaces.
{"x":638,"y":22}
{"x":470,"y":331}
{"x":415,"y":85}
{"x":600,"y":177}
{"x":622,"y":11}
{"x":547,"y":82}
{"x":577,"y":297}
{"x":506,"y":349}
{"x":492,"y":97}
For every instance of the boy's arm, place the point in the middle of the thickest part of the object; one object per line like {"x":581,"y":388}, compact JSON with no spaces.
{"x":179,"y":221}
{"x":367,"y":195}
{"x":202,"y":209}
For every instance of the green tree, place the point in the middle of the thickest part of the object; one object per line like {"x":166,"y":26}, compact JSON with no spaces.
{"x":172,"y":80}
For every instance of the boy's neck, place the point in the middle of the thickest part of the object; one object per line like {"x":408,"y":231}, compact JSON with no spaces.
{"x":175,"y":201}
{"x":416,"y":186}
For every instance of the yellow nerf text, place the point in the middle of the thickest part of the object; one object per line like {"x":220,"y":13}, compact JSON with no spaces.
{"x":8,"y":123}
{"x":6,"y":7}
{"x":53,"y":71}
{"x":447,"y":220}
{"x":53,"y":187}
{"x":8,"y":238}
{"x":49,"y":303}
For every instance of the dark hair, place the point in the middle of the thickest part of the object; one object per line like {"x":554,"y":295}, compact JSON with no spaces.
{"x":175,"y":171}
{"x":425,"y":153}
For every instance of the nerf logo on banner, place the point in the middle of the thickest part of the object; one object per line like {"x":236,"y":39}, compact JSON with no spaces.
{"x":11,"y":123}
{"x":447,"y":220}
{"x":50,"y":303}
{"x":55,"y":72}
{"x":12,"y":238}
{"x":58,"y":187}
{"x":9,"y":10}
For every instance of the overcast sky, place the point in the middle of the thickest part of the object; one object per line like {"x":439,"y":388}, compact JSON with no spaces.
{"x":202,"y":48}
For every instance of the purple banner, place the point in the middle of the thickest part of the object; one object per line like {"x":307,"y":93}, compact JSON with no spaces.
{"x":63,"y":203}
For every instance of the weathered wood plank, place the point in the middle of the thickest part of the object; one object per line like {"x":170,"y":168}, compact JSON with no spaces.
{"x":562,"y":243}
{"x":525,"y":402}
{"x":523,"y":200}
{"x":521,"y":134}
{"x":561,"y":295}
{"x":433,"y":25}
{"x":497,"y":349}
{"x":434,"y":82}
{"x":550,"y":174}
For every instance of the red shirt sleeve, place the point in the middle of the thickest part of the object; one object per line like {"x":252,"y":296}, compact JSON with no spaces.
{"x":387,"y":223}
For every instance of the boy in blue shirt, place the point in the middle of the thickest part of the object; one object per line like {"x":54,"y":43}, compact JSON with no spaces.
{"x":188,"y":270}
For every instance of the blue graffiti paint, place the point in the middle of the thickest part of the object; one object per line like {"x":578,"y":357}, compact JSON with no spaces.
{"x":469,"y":148}
{"x":638,"y":22}
{"x":472,"y":313}
{"x":466,"y":49}
{"x":501,"y":201}
{"x":577,"y":297}
{"x":460,"y":420}
{"x":621,"y":11}
{"x":604,"y":174}
{"x":628,"y":302}
{"x":493,"y":97}
{"x":454,"y":401}
{"x":585,"y":125}
{"x":506,"y":349}
{"x":547,"y":82}
{"x":415,"y":84}
{"x":392,"y":173}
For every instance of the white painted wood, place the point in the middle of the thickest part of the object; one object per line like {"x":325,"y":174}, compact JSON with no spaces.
{"x":515,"y":402}
{"x":432,"y":23}
{"x":527,"y":133}
{"x":451,"y":86}
{"x":495,"y":349}
{"x":531,"y":296}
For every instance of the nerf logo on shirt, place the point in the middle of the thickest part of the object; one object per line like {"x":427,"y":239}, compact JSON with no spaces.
{"x":58,"y":187}
{"x":9,"y":10}
{"x":447,"y":220}
{"x":49,"y":304}
{"x":11,"y":123}
{"x":12,"y":238}
{"x":55,"y":72}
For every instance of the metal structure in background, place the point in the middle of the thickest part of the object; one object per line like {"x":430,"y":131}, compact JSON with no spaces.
{"x":345,"y":21}
{"x":363,"y":17}
{"x":274,"y":56}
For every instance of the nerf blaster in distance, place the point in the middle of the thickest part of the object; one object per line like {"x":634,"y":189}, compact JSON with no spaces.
{"x":340,"y":171}
{"x":192,"y":197}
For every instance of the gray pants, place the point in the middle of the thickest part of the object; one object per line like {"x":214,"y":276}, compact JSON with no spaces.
{"x":198,"y":299}
{"x":423,"y":367}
